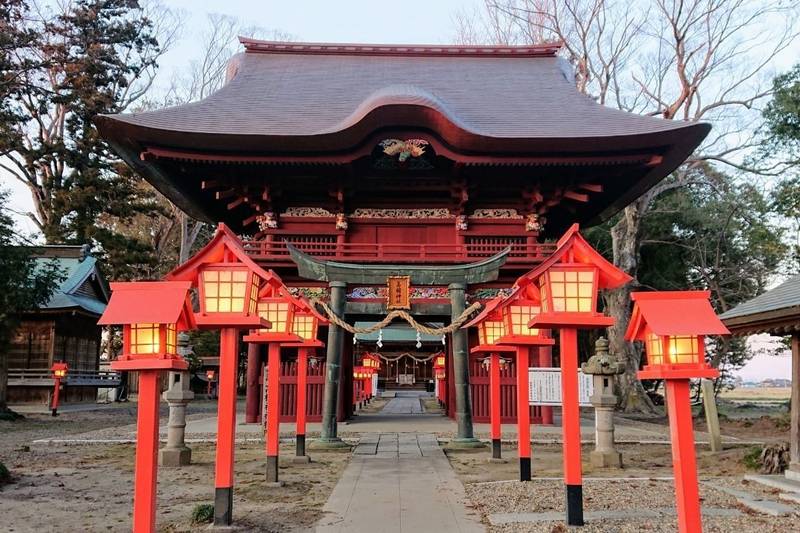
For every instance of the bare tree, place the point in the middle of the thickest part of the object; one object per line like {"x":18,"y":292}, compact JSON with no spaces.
{"x":203,"y":77}
{"x":691,"y":60}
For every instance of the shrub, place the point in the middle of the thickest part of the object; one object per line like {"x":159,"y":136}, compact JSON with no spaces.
{"x":752,"y":458}
{"x":203,"y":513}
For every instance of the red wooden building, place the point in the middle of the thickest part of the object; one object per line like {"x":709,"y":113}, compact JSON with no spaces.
{"x":417,"y":160}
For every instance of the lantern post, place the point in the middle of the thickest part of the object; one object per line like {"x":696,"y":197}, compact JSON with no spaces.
{"x":440,"y":374}
{"x":569,"y":281}
{"x":59,"y":370}
{"x":227,"y":282}
{"x":503,"y":328}
{"x":211,"y":376}
{"x":305,"y":325}
{"x":673,"y":326}
{"x":289,"y":317}
{"x":151,"y":314}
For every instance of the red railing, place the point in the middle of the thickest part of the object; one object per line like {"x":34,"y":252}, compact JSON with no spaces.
{"x":326,"y":247}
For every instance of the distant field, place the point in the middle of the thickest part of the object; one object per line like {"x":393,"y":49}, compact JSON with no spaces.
{"x":758,"y":394}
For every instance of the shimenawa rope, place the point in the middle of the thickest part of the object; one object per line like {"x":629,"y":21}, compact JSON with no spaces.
{"x":398,"y":313}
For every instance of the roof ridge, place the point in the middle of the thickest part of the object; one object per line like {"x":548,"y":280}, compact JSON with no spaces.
{"x":417,"y":50}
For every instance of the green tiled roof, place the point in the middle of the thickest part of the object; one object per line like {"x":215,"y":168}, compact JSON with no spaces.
{"x":77,"y":271}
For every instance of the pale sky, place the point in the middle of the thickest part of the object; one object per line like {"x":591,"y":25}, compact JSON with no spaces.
{"x":366,"y":21}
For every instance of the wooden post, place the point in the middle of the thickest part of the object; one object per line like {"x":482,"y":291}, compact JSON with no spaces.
{"x":146,"y":470}
{"x":54,"y":403}
{"x":546,"y":360}
{"x":494,"y":405}
{"x":684,"y":465}
{"x":571,"y":426}
{"x":273,"y":409}
{"x":712,"y":417}
{"x":794,"y":432}
{"x":226,"y":425}
{"x":523,"y":415}
{"x":252,"y":399}
{"x":300,"y":415}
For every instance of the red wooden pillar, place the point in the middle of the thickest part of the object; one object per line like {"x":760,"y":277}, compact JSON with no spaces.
{"x":494,"y":405}
{"x":683,"y":456}
{"x":226,"y":425}
{"x":546,"y":360}
{"x":56,"y":390}
{"x":145,"y":480}
{"x":523,"y":414}
{"x":273,"y":409}
{"x":571,"y":426}
{"x":302,"y":376}
{"x":253,"y":394}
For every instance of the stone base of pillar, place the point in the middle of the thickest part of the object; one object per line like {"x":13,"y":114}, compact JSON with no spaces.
{"x":605,"y":459}
{"x":301,"y":459}
{"x":455,"y":444}
{"x":175,"y":456}
{"x":331,"y":444}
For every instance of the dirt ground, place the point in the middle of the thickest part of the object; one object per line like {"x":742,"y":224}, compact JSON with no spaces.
{"x":89,"y":487}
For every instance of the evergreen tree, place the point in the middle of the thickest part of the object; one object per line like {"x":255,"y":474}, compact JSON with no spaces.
{"x":23,"y":287}
{"x":60,"y":70}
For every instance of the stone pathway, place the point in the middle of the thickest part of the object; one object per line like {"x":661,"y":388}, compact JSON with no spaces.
{"x":404,"y":403}
{"x":398,"y":483}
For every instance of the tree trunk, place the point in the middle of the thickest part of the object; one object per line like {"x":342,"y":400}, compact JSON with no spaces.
{"x":189,"y":234}
{"x":4,"y":381}
{"x":625,"y":244}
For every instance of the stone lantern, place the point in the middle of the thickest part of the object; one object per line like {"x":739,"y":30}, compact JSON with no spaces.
{"x":176,"y":453}
{"x":603,"y":367}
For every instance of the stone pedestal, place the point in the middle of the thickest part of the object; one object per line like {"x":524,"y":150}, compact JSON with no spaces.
{"x":176,"y":453}
{"x":603,"y":368}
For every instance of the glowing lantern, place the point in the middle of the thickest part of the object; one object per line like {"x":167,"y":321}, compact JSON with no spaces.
{"x":439,"y":361}
{"x":673,"y":326}
{"x":151,"y":314}
{"x":227,"y":280}
{"x":211,"y":375}
{"x":59,"y":370}
{"x":504,"y":320}
{"x":305,"y":325}
{"x":568,"y":283}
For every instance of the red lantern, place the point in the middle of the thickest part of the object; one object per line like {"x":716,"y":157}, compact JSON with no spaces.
{"x":59,"y":370}
{"x":228,"y":284}
{"x":568,"y":283}
{"x":151,"y":314}
{"x":672,"y":326}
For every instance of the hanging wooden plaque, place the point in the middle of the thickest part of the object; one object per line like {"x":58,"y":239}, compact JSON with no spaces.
{"x":399,"y":294}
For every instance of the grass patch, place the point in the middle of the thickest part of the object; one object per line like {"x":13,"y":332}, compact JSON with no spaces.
{"x":752,"y":458}
{"x":203,"y":513}
{"x":5,"y":475}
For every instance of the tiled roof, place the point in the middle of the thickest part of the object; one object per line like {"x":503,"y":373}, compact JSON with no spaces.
{"x":77,"y":271}
{"x":783,"y":297}
{"x":314,"y":93}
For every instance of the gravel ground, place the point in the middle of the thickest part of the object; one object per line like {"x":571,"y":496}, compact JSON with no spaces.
{"x":546,"y":495}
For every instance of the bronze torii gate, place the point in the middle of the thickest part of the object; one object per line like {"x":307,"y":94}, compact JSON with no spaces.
{"x":455,"y":277}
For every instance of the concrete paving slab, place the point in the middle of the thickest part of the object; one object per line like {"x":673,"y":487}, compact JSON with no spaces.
{"x":775,"y":481}
{"x":398,"y":493}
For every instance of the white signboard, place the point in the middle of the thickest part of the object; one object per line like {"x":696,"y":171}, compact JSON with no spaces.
{"x":544,"y":387}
